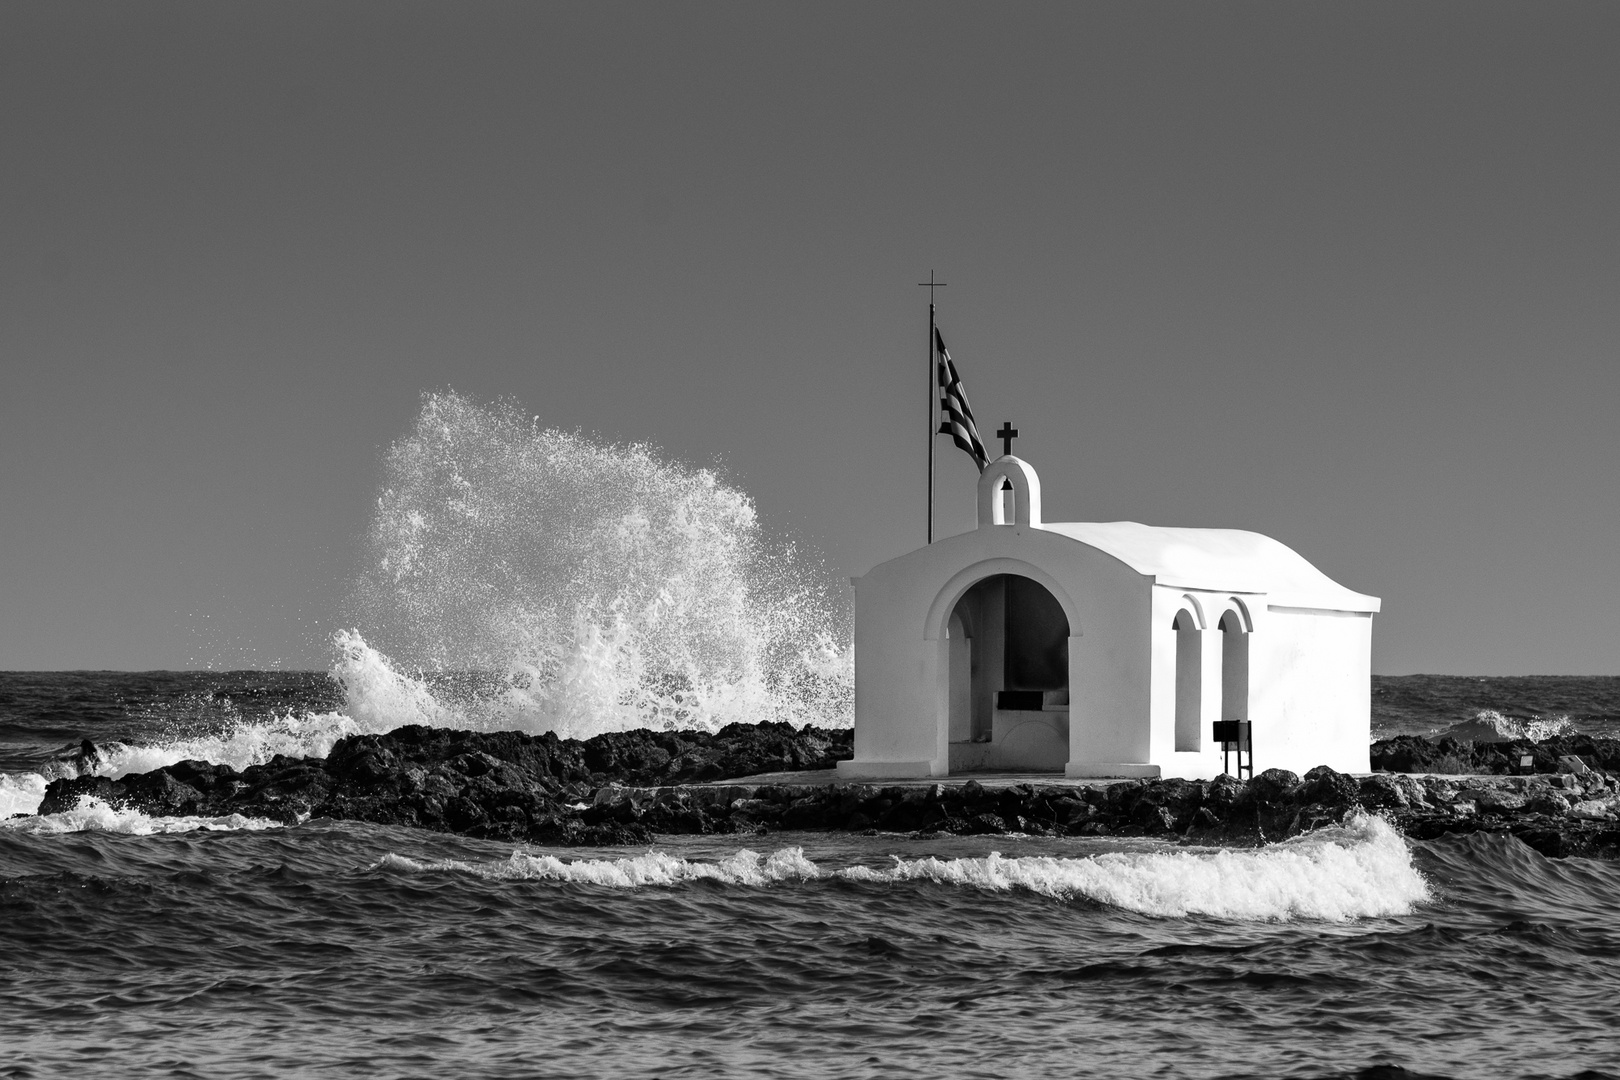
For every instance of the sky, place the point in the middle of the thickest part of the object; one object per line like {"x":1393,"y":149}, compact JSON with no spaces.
{"x":1346,"y":274}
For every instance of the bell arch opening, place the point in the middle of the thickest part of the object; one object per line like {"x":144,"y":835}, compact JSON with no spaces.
{"x":1009,"y":677}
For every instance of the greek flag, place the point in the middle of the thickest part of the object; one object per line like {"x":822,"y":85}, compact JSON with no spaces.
{"x":956,"y":418}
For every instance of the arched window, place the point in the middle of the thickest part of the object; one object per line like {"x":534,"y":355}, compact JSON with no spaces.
{"x":1234,"y":668}
{"x":1189,"y":681}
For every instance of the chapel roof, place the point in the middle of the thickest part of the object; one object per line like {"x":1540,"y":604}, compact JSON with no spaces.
{"x":1228,"y":560}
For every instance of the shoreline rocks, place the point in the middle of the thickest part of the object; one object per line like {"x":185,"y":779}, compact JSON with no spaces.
{"x":628,"y":787}
{"x":1416,"y":754}
{"x":502,"y":784}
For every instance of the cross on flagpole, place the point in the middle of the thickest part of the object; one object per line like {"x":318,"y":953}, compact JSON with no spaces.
{"x":1007,"y":434}
{"x":931,"y":285}
{"x":933,"y":410}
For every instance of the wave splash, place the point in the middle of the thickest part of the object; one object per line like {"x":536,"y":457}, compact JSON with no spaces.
{"x":1362,"y":869}
{"x":91,"y":814}
{"x":1490,"y":726}
{"x":20,"y":793}
{"x":582,"y":587}
{"x":529,"y":579}
{"x":653,"y":868}
{"x":1359,"y":870}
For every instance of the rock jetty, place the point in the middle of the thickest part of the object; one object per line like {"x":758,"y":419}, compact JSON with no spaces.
{"x":495,"y":784}
{"x":1415,"y":754}
{"x":628,"y":787}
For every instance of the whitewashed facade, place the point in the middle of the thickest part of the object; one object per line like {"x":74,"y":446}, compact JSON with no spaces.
{"x":1103,"y":649}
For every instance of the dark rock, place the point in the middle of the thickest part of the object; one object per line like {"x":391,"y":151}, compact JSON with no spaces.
{"x":1325,"y":787}
{"x":1072,"y":812}
{"x":1154,"y":819}
{"x":1223,"y":792}
{"x":1415,"y":754}
{"x":497,"y":784}
{"x":1204,"y":820}
{"x":63,"y":795}
{"x":615,"y":788}
{"x":986,"y":823}
{"x":200,"y":775}
{"x":1378,"y":792}
{"x":160,"y":793}
{"x":1274,"y":787}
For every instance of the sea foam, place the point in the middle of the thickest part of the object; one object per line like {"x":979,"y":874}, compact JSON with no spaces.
{"x":653,"y":868}
{"x":1490,"y":726}
{"x":20,"y":793}
{"x":91,"y":814}
{"x":583,"y":587}
{"x":1360,"y":870}
{"x":549,"y":582}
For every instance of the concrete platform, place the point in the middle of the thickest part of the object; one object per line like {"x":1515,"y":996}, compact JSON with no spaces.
{"x":829,"y":777}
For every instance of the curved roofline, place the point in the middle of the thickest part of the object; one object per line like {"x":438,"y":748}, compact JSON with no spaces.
{"x":1217,"y":560}
{"x":1205,"y":560}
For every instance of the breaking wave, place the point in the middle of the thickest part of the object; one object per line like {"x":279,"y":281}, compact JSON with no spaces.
{"x":529,"y":579}
{"x":93,"y":815}
{"x":582,"y":587}
{"x":1362,"y":869}
{"x":1359,"y":870}
{"x":20,"y":793}
{"x":654,"y":868}
{"x":377,"y":698}
{"x":1490,"y":726}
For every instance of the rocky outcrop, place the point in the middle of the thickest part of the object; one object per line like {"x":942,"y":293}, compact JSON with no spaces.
{"x":495,"y":784}
{"x":1557,"y":814}
{"x":1415,"y":754}
{"x":629,"y":787}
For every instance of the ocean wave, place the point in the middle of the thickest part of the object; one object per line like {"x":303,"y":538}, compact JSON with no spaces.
{"x":20,"y":793}
{"x":553,"y":584}
{"x":249,"y":743}
{"x":378,"y":698}
{"x":653,"y":868}
{"x":91,"y":814}
{"x":588,"y":587}
{"x":1360,"y":870}
{"x":1490,"y":726}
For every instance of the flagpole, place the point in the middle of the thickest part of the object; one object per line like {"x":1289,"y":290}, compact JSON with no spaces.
{"x":931,"y":415}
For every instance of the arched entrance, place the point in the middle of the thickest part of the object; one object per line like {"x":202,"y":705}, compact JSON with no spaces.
{"x":1009,"y":678}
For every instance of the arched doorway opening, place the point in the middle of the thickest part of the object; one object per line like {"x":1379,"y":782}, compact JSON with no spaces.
{"x":1009,"y":677}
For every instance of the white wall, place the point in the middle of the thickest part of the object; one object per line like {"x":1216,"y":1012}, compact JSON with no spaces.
{"x":1309,"y":670}
{"x":902,"y":655}
{"x":1309,"y":684}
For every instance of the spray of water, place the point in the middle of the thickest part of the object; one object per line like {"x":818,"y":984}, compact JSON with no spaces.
{"x":579,"y":586}
{"x":521,"y":577}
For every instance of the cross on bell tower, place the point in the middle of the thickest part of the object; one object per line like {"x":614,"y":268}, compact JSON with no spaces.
{"x":1007,"y":434}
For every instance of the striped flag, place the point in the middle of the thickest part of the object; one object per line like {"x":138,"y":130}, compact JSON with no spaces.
{"x":956,"y":419}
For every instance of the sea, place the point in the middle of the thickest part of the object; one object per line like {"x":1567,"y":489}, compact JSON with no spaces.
{"x":517,"y":577}
{"x":231,"y":947}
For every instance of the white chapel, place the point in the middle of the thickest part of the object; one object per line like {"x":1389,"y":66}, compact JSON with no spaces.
{"x":1099,"y":649}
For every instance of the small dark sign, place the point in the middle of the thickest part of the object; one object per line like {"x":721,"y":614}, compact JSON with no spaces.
{"x":1236,"y":736}
{"x":1023,"y":700}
